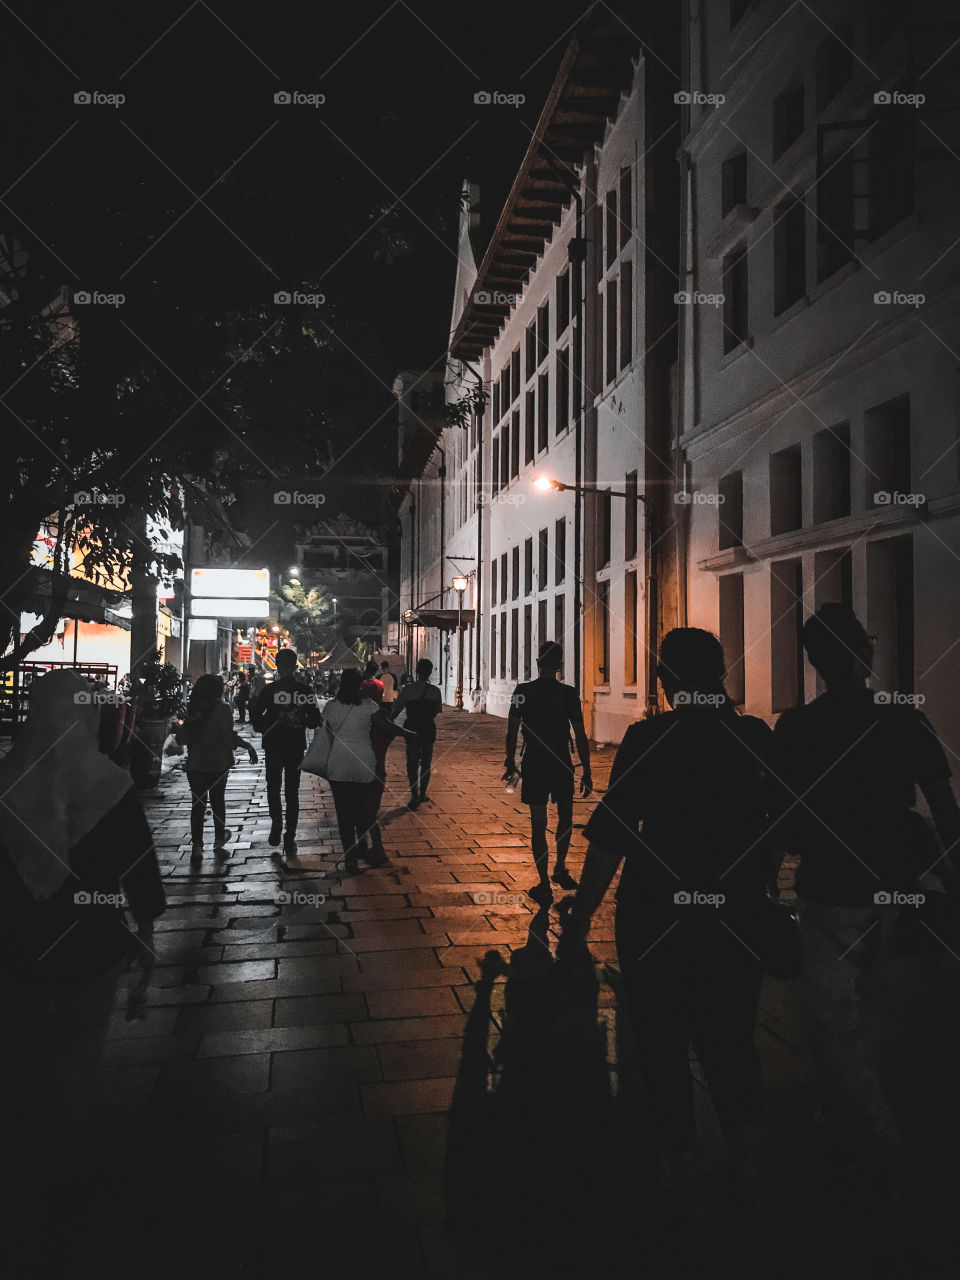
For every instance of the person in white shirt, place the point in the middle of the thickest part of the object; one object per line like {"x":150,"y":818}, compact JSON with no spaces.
{"x":352,"y":769}
{"x":389,"y":683}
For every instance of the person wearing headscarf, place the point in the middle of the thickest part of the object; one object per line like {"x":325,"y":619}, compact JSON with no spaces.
{"x":211,"y":739}
{"x":77,"y":860}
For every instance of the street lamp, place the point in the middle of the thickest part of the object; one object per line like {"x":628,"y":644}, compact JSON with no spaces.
{"x":459,"y":585}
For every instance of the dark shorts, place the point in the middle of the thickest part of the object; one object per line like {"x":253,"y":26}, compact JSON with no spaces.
{"x":544,"y":780}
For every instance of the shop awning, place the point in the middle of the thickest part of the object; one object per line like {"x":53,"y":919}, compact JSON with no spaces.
{"x":442,"y":619}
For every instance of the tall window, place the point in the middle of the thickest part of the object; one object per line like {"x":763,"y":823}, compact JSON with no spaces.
{"x":503,"y":645}
{"x":543,"y":546}
{"x":630,"y":516}
{"x":527,"y":640}
{"x":563,"y":302}
{"x":603,"y":633}
{"x":626,"y":205}
{"x":789,"y":254}
{"x":543,"y":332}
{"x":735,"y":294}
{"x":503,"y":579}
{"x":786,"y":490}
{"x":515,"y":374}
{"x":515,"y":585}
{"x":786,"y":620}
{"x":560,"y":552}
{"x":495,"y":469}
{"x":563,"y":391}
{"x":559,"y":626}
{"x":493,"y":582}
{"x":604,"y":526}
{"x":733,"y":182}
{"x":886,"y":438}
{"x":531,"y":348}
{"x":542,"y":621}
{"x":493,"y":647}
{"x":612,"y":237}
{"x":834,"y":65}
{"x":505,"y":455}
{"x":626,"y":313}
{"x":787,"y":119}
{"x":730,"y":510}
{"x":543,"y":410}
{"x":831,"y":473}
{"x":515,"y":445}
{"x":530,"y":427}
{"x":731,"y":634}
{"x":528,"y":567}
{"x":611,"y":328}
{"x":630,"y":655}
{"x":514,"y":644}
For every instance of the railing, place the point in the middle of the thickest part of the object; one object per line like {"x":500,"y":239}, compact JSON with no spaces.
{"x":15,"y":686}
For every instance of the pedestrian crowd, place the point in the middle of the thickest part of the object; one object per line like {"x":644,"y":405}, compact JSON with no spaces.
{"x":702,"y":807}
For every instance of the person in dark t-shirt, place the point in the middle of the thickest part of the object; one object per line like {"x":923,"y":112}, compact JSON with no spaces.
{"x":688,"y":812}
{"x":420,"y":702}
{"x":853,"y":759}
{"x":547,"y":710}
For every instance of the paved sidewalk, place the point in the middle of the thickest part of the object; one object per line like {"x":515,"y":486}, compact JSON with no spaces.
{"x":387,"y":1075}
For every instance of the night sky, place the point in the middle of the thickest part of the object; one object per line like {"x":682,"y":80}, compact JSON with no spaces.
{"x":356,"y":199}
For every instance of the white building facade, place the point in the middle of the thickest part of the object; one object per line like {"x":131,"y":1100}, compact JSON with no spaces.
{"x":819,"y":399}
{"x":557,"y":323}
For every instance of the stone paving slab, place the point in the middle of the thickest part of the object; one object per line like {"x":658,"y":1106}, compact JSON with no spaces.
{"x":338,"y":1085}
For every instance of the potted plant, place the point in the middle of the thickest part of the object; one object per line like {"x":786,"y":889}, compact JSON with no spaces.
{"x":158,"y":694}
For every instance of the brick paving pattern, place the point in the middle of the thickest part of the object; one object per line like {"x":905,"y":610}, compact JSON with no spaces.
{"x":397,"y":1081}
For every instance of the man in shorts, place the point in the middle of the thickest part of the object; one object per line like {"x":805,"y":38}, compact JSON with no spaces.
{"x":547,"y":710}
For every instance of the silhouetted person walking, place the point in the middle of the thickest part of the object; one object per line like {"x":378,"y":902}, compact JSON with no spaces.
{"x":211,"y":740}
{"x":421,"y":702}
{"x":282,"y":713}
{"x":698,"y":780}
{"x":242,"y":696}
{"x":852,"y":759}
{"x":547,"y":711}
